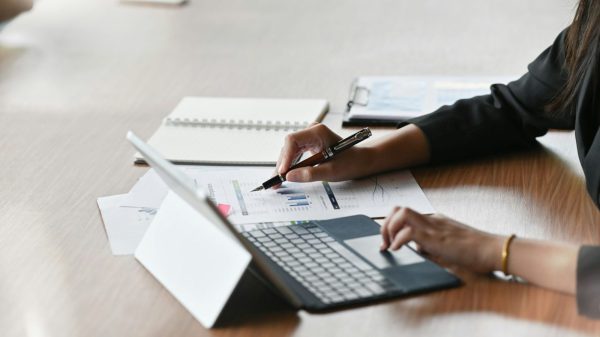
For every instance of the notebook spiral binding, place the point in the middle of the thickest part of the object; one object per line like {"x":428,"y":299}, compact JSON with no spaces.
{"x":359,"y":95}
{"x":237,"y":124}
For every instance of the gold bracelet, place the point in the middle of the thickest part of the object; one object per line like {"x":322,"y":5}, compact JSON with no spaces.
{"x":505,"y":253}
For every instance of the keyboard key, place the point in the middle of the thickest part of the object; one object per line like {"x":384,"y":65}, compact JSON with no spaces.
{"x":375,"y":288}
{"x":353,"y":284}
{"x":363,"y":292}
{"x":264,"y":239}
{"x":298,"y":229}
{"x":320,"y":259}
{"x":336,"y":259}
{"x":318,"y":270}
{"x":345,"y":290}
{"x":311,"y":278}
{"x":293,"y":263}
{"x":282,"y":253}
{"x":269,"y":231}
{"x":257,"y":234}
{"x":336,"y":284}
{"x":328,"y":265}
{"x":315,"y":230}
{"x":319,"y":283}
{"x":350,"y":297}
{"x":353,"y":270}
{"x":311,"y":265}
{"x":327,"y":250}
{"x":336,"y":299}
{"x":284,"y":230}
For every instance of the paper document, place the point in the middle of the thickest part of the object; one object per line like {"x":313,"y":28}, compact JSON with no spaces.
{"x":373,"y":196}
{"x":127,"y":216}
{"x":403,"y":97}
{"x":125,"y":223}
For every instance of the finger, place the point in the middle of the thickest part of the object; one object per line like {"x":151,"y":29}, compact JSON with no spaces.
{"x":384,"y":230}
{"x":311,"y":173}
{"x":290,"y":150}
{"x":407,"y":217}
{"x":397,"y":222}
{"x":402,"y":237}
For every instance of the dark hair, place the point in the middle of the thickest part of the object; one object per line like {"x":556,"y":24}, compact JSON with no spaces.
{"x":582,"y":47}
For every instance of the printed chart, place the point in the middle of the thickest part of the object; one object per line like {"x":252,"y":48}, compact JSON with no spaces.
{"x":373,"y":196}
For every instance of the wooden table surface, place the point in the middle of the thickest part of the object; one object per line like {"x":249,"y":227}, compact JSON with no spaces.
{"x":75,"y":75}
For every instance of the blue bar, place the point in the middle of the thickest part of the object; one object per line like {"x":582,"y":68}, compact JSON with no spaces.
{"x":284,"y":191}
{"x":300,"y":204}
{"x":297,"y":197}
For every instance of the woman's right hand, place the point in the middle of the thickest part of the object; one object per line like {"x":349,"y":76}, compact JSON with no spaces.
{"x":350,"y":164}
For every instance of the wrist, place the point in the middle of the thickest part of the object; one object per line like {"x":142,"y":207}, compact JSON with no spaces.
{"x":493,"y":255}
{"x":402,"y":148}
{"x":369,"y":161}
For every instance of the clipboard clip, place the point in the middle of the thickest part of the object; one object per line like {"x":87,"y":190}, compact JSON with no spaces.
{"x":359,"y":95}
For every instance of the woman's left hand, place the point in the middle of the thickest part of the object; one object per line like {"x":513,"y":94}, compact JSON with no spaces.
{"x":443,"y":240}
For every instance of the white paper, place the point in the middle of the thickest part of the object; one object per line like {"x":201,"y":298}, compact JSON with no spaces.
{"x":148,"y":191}
{"x":125,"y":224}
{"x":127,"y":216}
{"x":373,"y":196}
{"x":192,"y":258}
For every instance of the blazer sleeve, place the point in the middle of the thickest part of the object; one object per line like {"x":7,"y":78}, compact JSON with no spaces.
{"x":588,"y":281}
{"x":591,"y":168}
{"x":510,"y":117}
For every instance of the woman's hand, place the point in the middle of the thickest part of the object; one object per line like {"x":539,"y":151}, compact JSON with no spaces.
{"x":401,"y":148}
{"x":350,"y":164}
{"x":11,"y":8}
{"x":443,"y":240}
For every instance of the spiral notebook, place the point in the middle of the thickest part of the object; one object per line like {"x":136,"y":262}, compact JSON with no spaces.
{"x":238,"y":131}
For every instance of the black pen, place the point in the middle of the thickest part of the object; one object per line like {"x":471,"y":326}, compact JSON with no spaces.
{"x":320,"y":157}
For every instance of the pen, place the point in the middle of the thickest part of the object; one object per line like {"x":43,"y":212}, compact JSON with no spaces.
{"x":320,"y":157}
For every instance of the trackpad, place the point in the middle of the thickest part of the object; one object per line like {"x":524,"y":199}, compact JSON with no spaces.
{"x":368,"y":247}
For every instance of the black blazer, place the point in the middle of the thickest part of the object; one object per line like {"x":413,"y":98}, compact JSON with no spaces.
{"x":511,"y":117}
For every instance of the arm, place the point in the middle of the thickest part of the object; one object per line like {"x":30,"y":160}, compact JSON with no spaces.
{"x":557,"y":266}
{"x":546,"y":264}
{"x":374,"y":156}
{"x":511,"y":117}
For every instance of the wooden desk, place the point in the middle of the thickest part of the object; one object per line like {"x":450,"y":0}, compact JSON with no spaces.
{"x":75,"y":75}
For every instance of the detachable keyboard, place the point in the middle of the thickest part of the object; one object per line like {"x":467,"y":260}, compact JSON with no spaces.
{"x":322,"y":265}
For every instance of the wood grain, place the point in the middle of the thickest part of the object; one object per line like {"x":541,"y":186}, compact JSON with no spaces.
{"x":76,"y":75}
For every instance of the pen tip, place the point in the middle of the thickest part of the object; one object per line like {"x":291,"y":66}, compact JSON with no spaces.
{"x":257,"y":189}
